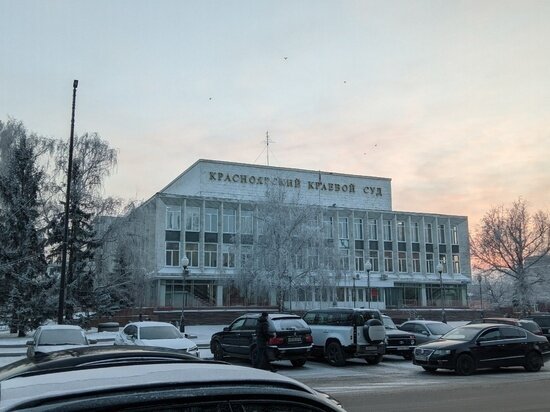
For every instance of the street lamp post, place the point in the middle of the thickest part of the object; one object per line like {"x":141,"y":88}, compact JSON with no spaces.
{"x":480,"y":295}
{"x":354,"y":277}
{"x":184,"y":274}
{"x":442,"y":291}
{"x":368,"y":267}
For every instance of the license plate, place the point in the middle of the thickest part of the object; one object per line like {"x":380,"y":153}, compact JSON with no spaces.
{"x":294,"y":339}
{"x":402,"y":348}
{"x":420,"y":357}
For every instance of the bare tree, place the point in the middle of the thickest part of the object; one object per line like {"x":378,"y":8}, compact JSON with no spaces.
{"x":509,"y":242}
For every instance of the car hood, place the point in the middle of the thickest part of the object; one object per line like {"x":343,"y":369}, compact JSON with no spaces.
{"x":55,"y":348}
{"x":442,"y":344}
{"x":181,"y":343}
{"x":394,"y":333}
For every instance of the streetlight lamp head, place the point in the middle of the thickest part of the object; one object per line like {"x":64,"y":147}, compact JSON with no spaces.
{"x":439,"y":267}
{"x":368,"y":266}
{"x":185,"y":261}
{"x":357,"y":276}
{"x":479,"y":278}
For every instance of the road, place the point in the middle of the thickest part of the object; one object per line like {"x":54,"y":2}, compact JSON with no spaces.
{"x":397,"y":385}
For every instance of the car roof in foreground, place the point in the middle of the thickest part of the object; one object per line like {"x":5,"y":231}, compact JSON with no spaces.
{"x":423,"y":321}
{"x":143,"y":377}
{"x":147,"y":323}
{"x":57,"y":327}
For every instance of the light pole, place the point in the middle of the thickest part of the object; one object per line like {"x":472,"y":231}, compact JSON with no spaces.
{"x":442,"y":291}
{"x":480,"y":295}
{"x":184,"y":274}
{"x":354,"y":277}
{"x":368,"y":267}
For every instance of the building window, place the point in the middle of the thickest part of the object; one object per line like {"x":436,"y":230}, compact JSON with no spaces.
{"x":247,"y":222}
{"x":373,"y":256}
{"x":387,"y":230}
{"x":359,"y":261}
{"x":344,"y":259}
{"x":211,"y":220}
{"x":173,"y":218}
{"x":429,"y":263}
{"x":415,"y":233}
{"x":210,"y":255}
{"x":416,"y":262}
{"x":343,"y":228}
{"x":441,"y":234}
{"x":388,"y":261}
{"x":229,"y":221}
{"x":172,"y":253}
{"x":401,"y":231}
{"x":402,"y":261}
{"x":327,"y":227}
{"x":358,"y":229}
{"x":454,"y":235}
{"x":192,"y":219}
{"x":456,"y":264}
{"x":428,"y":233}
{"x":192,"y":253}
{"x":228,"y":256}
{"x":373,"y":229}
{"x":246,"y":256}
{"x":298,"y":260}
{"x":443,"y":261}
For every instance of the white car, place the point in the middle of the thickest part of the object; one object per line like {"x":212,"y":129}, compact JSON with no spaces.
{"x":51,"y":338}
{"x":157,"y":334}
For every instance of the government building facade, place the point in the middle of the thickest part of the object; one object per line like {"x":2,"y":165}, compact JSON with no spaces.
{"x":209,"y":215}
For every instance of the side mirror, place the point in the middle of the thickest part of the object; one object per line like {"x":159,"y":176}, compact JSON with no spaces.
{"x":226,"y":329}
{"x":29,"y":343}
{"x":425,"y":333}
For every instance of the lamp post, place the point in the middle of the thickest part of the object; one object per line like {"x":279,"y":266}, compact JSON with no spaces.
{"x":354,"y":277}
{"x":368,"y":267}
{"x":480,"y":295}
{"x":442,"y":291}
{"x":184,"y":274}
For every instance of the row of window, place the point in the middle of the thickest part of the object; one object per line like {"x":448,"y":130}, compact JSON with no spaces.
{"x":228,"y":259}
{"x":229,"y":223}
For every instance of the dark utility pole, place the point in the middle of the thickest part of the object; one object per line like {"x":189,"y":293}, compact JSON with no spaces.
{"x":61,"y":307}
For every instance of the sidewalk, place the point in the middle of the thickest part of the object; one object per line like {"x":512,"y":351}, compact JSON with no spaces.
{"x":11,"y":345}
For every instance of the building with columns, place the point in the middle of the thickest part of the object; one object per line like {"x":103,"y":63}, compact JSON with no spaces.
{"x":209,"y":215}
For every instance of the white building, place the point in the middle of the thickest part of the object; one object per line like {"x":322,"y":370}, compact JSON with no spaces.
{"x":201,"y":213}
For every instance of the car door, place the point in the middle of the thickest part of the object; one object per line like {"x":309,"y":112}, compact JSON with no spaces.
{"x":231,"y":337}
{"x":514,"y":345}
{"x":488,"y":349}
{"x":421,"y":332}
{"x":247,"y":335}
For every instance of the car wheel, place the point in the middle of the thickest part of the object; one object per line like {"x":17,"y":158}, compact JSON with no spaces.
{"x":298,"y":363}
{"x":253,"y":356}
{"x":374,"y":360}
{"x":533,"y":362}
{"x":335,"y":354}
{"x":465,"y":365}
{"x":217,"y":350}
{"x":430,"y":369}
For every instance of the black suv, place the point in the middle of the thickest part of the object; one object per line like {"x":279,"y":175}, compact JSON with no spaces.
{"x":291,"y":339}
{"x":398,"y":342}
{"x":543,"y":320}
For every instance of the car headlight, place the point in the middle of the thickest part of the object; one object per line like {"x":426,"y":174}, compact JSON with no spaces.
{"x":442,"y":352}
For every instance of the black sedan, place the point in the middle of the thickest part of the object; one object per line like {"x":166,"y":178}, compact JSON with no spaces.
{"x":290,"y":339}
{"x":471,"y":347}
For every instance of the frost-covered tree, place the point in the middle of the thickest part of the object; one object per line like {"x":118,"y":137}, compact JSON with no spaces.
{"x":25,"y":285}
{"x":509,"y":242}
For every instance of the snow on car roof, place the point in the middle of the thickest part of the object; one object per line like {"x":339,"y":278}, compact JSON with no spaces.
{"x":146,"y":323}
{"x":46,"y":327}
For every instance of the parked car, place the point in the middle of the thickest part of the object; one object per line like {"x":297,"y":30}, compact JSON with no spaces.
{"x":530,"y":325}
{"x":50,"y":338}
{"x":158,"y":334}
{"x":143,"y":378}
{"x":398,"y":342}
{"x":342,"y":333}
{"x":486,"y":345}
{"x":543,"y":320}
{"x":425,"y":330}
{"x":291,"y":339}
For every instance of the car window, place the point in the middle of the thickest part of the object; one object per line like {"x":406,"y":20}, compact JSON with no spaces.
{"x":237,"y":325}
{"x":543,"y":321}
{"x":159,"y":332}
{"x":461,"y":333}
{"x":290,"y":324}
{"x":388,"y":322}
{"x":250,"y":324}
{"x":439,"y":328}
{"x":530,"y":326}
{"x":512,"y":333}
{"x":420,"y":329}
{"x":311,"y":318}
{"x":130,"y":330}
{"x":62,"y":337}
{"x":490,"y":335}
{"x":409,"y":327}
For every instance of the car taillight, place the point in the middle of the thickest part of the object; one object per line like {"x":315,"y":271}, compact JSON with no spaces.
{"x":309,"y":338}
{"x":276,"y":341}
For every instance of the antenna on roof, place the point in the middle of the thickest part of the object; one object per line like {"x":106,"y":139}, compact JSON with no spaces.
{"x":267,"y":145}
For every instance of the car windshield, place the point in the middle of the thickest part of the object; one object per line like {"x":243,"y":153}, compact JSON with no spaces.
{"x":159,"y":332}
{"x":388,"y":323}
{"x":462,"y":333}
{"x":62,"y":337}
{"x":439,"y":328}
{"x":530,"y":326}
{"x":290,"y":324}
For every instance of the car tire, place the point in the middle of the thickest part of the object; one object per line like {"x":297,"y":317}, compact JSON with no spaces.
{"x":374,"y":360}
{"x":465,"y":365}
{"x":253,"y":355}
{"x":430,"y":369}
{"x":298,"y":363}
{"x":335,"y":354}
{"x":374,"y":331}
{"x":533,"y":362}
{"x":217,"y":350}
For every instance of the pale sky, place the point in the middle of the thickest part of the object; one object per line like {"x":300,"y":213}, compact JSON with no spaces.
{"x":450,"y":99}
